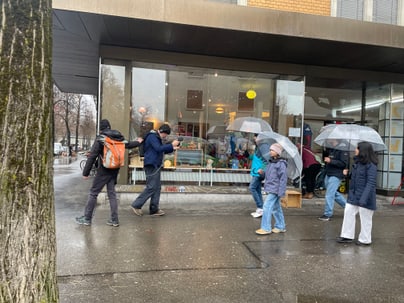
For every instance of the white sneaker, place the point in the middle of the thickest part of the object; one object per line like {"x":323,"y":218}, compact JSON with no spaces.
{"x":258,"y":213}
{"x":277,"y":230}
{"x":254,"y":211}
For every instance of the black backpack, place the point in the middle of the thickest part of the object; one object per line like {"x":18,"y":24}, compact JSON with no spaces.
{"x":141,"y":146}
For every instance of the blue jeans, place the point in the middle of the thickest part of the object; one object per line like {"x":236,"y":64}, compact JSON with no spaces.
{"x":272,"y":205}
{"x":331,"y":184}
{"x":255,"y":189}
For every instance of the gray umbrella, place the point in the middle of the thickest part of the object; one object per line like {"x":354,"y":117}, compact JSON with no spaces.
{"x":349,"y":135}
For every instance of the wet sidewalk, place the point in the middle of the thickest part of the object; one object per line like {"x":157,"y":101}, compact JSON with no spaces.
{"x":210,"y":253}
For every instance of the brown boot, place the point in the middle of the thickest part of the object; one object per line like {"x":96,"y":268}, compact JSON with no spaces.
{"x":308,"y":196}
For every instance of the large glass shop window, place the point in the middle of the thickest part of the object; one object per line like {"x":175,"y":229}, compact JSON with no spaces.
{"x":148,"y":104}
{"x":379,"y":106}
{"x":113,"y":95}
{"x":391,"y":128}
{"x":199,"y":104}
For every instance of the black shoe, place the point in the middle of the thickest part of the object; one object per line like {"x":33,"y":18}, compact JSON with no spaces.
{"x":344,"y":240}
{"x":83,"y":221}
{"x":324,"y":218}
{"x":361,"y":243}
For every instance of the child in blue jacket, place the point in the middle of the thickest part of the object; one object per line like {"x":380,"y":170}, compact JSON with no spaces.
{"x":257,"y":173}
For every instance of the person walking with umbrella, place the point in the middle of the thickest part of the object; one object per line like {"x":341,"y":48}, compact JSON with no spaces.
{"x":335,"y":161}
{"x":275,"y":185}
{"x":361,"y":196}
{"x":343,"y":137}
{"x":257,"y":173}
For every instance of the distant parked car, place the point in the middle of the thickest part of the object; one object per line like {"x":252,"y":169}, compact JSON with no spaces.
{"x":57,"y":149}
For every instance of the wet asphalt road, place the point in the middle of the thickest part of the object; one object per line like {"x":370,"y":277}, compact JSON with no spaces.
{"x":210,"y":253}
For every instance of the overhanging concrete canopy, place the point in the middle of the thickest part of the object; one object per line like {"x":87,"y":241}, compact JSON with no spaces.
{"x":215,"y":29}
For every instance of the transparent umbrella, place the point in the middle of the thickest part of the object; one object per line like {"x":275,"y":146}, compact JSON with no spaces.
{"x":349,"y":135}
{"x":249,"y":125}
{"x":216,"y":129}
{"x":290,"y":151}
{"x":219,"y":131}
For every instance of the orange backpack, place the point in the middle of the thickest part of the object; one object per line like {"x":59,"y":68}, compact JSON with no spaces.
{"x":114,"y":152}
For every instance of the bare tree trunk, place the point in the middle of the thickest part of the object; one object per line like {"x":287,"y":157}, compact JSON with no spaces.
{"x":78,"y":108}
{"x":27,"y":219}
{"x":67,"y":113}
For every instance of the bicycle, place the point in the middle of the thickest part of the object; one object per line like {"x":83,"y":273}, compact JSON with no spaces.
{"x":93,"y":170}
{"x":319,"y":188}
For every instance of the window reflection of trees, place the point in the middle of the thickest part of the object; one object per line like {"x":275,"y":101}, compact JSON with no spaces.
{"x":138,"y":121}
{"x":113,"y":90}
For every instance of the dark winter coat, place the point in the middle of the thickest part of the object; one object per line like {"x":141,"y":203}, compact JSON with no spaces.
{"x":276,"y":177}
{"x":362,"y":186}
{"x":339,"y":161}
{"x":97,"y":151}
{"x":154,"y":149}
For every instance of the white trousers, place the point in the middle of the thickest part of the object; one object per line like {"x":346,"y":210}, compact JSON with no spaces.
{"x":348,"y":225}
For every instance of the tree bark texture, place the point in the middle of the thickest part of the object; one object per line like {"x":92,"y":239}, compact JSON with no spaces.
{"x":27,"y":214}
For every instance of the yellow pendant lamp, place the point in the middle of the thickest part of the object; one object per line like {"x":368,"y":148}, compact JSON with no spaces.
{"x":251,"y":94}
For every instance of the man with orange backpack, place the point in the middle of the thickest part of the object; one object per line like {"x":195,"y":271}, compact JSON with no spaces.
{"x":107,"y":148}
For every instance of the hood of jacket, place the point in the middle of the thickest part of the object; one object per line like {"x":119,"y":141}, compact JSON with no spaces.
{"x":113,"y":134}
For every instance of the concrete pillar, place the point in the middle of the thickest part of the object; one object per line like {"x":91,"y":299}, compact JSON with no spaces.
{"x":368,"y":10}
{"x":400,"y":12}
{"x":334,"y":8}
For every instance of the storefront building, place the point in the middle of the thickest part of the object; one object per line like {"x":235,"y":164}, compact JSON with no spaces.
{"x":198,"y":65}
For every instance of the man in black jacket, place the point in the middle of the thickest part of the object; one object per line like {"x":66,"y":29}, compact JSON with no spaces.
{"x":335,"y":163}
{"x":104,"y":176}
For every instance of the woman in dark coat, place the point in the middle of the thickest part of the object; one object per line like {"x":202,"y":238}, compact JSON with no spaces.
{"x":361,"y":196}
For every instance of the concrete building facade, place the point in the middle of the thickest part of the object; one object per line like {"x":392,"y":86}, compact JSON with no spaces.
{"x":191,"y":63}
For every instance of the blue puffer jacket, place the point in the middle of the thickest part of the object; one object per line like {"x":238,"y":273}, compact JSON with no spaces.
{"x":154,"y":149}
{"x":256,"y":165}
{"x":276,"y":177}
{"x":362,"y":186}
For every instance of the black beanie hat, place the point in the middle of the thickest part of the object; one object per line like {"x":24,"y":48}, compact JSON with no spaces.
{"x":104,"y":124}
{"x":165,"y":128}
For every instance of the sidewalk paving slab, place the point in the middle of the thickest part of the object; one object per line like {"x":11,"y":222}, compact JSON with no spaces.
{"x":210,"y":253}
